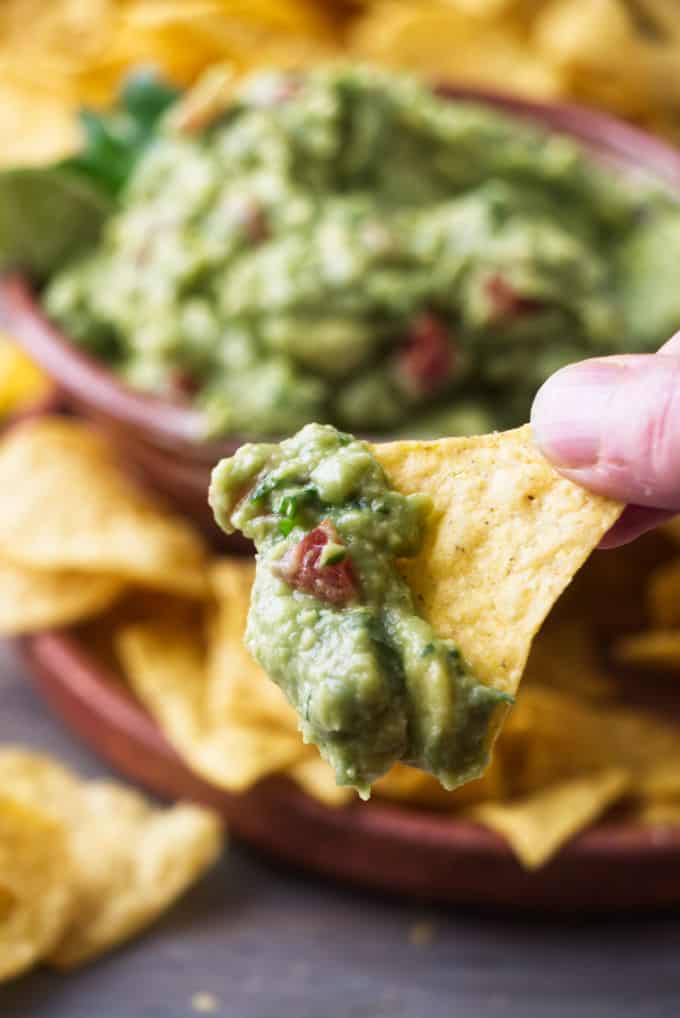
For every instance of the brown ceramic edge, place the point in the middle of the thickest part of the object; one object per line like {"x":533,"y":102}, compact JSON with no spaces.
{"x":166,"y":424}
{"x":61,"y":654}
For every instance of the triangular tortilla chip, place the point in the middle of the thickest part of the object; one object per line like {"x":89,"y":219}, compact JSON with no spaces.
{"x":129,"y":860}
{"x":36,"y":884}
{"x":67,"y":506}
{"x":537,"y":825}
{"x":506,"y":536}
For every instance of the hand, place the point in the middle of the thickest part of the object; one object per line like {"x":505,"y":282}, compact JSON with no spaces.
{"x":612,"y":424}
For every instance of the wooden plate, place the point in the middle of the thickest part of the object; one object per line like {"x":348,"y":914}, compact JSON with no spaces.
{"x":377,"y":844}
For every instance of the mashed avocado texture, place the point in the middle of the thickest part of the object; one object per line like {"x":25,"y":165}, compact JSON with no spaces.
{"x":346,"y":246}
{"x":333,"y":622}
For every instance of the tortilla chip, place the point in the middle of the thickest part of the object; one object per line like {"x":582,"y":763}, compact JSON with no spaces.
{"x":237,"y":687}
{"x":36,"y":884}
{"x":657,"y":648}
{"x":31,"y":600}
{"x":317,"y":778}
{"x":67,"y":507}
{"x":409,"y":785}
{"x":506,"y":536}
{"x":167,"y":670}
{"x":563,"y":657}
{"x":663,"y":595}
{"x":538,"y":825}
{"x":552,"y":735}
{"x":662,"y":782}
{"x":130,"y":860}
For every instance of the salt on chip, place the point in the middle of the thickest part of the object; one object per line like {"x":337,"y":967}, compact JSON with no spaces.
{"x":166,"y":669}
{"x":539,"y":824}
{"x":130,"y":860}
{"x":31,"y":599}
{"x":36,"y":885}
{"x":67,"y":506}
{"x":506,"y":536}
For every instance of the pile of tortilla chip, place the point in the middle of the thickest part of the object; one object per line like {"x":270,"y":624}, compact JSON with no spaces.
{"x":85,"y":865}
{"x":616,"y":54}
{"x":80,"y":545}
{"x":56,"y":56}
{"x":619,"y":55}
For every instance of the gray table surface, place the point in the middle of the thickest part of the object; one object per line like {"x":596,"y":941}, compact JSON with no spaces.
{"x":263,"y":941}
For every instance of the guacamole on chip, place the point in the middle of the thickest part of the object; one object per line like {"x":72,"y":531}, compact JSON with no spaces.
{"x":341,"y":630}
{"x":346,"y":246}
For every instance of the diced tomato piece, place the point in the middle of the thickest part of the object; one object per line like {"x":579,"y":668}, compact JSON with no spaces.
{"x":427,"y":360}
{"x":301,"y":568}
{"x":182,"y":384}
{"x":505,"y":302}
{"x":253,"y":220}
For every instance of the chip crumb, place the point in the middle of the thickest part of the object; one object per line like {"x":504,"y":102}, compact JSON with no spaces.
{"x":204,"y":1003}
{"x":421,"y":933}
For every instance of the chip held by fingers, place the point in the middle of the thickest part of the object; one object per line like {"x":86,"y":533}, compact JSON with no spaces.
{"x":398,"y":586}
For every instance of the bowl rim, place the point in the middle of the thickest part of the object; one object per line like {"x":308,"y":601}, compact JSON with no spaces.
{"x":384,"y":844}
{"x":169,"y":423}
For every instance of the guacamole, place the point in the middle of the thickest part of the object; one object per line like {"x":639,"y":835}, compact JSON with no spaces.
{"x":335,"y":625}
{"x":346,"y":246}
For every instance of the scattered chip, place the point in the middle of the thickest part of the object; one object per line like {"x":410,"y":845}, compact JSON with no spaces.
{"x":67,"y":507}
{"x":663,"y":595}
{"x":537,"y":825}
{"x":36,"y":884}
{"x":127,"y":861}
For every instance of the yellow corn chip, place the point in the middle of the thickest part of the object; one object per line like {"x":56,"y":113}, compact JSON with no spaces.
{"x":663,"y":595}
{"x":31,"y":600}
{"x":317,"y":778}
{"x":563,"y":656}
{"x":506,"y":536}
{"x":167,"y":671}
{"x":36,"y":884}
{"x":21,"y":381}
{"x":662,"y":782}
{"x":130,"y":860}
{"x":538,"y":825}
{"x":66,"y":506}
{"x":655,"y":814}
{"x":409,"y":785}
{"x":657,"y":648}
{"x":237,"y":687}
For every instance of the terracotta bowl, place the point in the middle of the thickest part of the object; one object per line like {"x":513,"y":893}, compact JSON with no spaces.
{"x":405,"y":851}
{"x":161,"y":439}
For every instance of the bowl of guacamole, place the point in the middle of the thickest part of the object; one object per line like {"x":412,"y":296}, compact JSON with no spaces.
{"x":351,"y":247}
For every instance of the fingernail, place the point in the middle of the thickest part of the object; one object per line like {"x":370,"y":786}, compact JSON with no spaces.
{"x":570,"y":411}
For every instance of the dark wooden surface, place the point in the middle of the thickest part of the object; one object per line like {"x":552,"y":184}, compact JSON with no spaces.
{"x":265,"y":941}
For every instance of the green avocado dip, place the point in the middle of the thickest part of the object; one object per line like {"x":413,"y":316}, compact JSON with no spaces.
{"x":346,"y":246}
{"x":335,"y":625}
